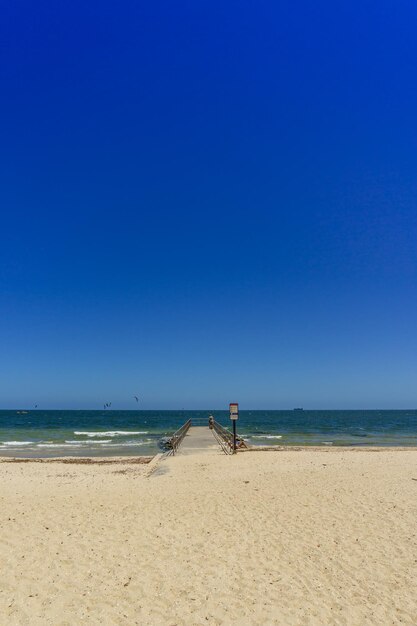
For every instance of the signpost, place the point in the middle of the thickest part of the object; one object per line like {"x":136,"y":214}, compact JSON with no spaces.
{"x":234,"y":415}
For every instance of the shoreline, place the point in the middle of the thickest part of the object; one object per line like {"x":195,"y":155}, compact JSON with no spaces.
{"x":102,"y":460}
{"x":86,"y":460}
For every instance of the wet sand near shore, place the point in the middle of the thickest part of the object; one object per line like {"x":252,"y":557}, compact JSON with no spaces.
{"x":307,"y":537}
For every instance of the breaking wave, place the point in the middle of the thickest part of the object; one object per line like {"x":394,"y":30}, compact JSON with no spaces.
{"x":17,"y":443}
{"x":110,"y":433}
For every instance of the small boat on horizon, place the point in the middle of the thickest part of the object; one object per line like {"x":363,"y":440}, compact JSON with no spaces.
{"x":298,"y":408}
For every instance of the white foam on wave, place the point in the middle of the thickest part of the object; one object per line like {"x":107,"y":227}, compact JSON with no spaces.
{"x":127,"y":444}
{"x":110,"y":433}
{"x":59,"y":445}
{"x":91,"y":444}
{"x":266,"y":437}
{"x":54,"y":445}
{"x":87,"y":443}
{"x":17,"y":443}
{"x":327,"y":443}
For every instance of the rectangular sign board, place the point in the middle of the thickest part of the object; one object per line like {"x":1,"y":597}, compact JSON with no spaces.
{"x":234,"y":410}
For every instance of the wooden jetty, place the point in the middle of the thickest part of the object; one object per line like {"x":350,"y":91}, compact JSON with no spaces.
{"x":190,"y":439}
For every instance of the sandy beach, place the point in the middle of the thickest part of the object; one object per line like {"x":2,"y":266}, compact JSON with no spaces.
{"x":306,"y":537}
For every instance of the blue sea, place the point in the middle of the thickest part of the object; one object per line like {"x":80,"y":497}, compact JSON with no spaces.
{"x":40,"y":433}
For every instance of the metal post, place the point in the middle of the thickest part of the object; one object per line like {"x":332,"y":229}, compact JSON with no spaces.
{"x":234,"y":436}
{"x":234,"y":414}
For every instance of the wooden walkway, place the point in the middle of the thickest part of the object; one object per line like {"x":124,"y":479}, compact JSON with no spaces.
{"x":199,"y":439}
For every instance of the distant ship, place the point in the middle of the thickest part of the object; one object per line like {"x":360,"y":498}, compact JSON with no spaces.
{"x":298,"y":408}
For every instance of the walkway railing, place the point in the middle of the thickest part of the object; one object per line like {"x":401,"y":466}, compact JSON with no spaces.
{"x":172,"y":443}
{"x":225,"y":438}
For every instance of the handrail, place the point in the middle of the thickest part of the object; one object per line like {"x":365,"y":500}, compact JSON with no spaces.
{"x":225,"y":438}
{"x":174,"y":442}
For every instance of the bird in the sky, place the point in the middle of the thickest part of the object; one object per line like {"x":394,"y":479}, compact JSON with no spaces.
{"x":136,"y":398}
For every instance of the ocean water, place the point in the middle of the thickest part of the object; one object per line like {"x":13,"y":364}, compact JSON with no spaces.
{"x":40,"y":433}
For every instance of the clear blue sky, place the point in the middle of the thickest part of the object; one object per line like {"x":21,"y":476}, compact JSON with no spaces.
{"x":204,"y":202}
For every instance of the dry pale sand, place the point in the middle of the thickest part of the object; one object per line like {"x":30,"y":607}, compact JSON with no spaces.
{"x":308,"y":537}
